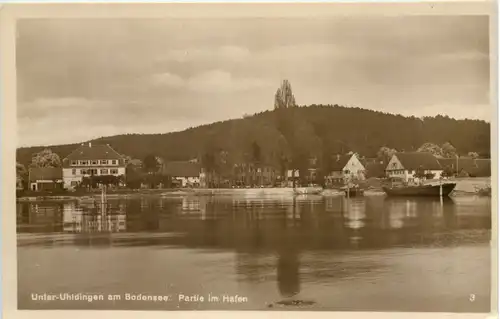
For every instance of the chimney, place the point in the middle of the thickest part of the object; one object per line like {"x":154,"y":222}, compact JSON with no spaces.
{"x":338,"y":157}
{"x":90,"y":144}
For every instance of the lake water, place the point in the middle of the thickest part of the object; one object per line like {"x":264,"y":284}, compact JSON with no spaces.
{"x":275,"y":253}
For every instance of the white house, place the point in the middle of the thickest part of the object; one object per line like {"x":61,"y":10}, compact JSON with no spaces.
{"x":345,"y":167}
{"x":88,"y":160}
{"x":404,"y":166}
{"x":187,"y":173}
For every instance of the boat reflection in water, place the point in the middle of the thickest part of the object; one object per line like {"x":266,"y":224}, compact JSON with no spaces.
{"x":327,"y":253}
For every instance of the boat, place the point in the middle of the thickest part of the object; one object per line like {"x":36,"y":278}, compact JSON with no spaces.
{"x":432,"y":190}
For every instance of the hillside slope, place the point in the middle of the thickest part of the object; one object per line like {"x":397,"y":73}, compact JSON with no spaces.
{"x":316,"y":129}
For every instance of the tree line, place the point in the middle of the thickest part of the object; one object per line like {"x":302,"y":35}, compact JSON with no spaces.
{"x":289,"y":135}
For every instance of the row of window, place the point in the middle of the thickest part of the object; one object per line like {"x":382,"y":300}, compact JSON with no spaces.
{"x":94,"y":171}
{"x":397,"y":172}
{"x":94,"y":162}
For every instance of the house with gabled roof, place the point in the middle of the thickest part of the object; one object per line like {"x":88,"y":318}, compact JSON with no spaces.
{"x":91,"y":160}
{"x":45,"y":178}
{"x":344,"y":168}
{"x":405,"y":166}
{"x":187,"y":173}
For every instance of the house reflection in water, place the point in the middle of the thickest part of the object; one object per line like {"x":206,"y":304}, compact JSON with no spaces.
{"x":39,"y":217}
{"x":95,"y":218}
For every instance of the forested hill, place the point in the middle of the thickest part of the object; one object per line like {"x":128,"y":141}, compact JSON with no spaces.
{"x":316,"y":129}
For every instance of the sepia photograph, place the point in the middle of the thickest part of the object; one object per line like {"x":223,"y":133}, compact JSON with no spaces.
{"x":255,"y":162}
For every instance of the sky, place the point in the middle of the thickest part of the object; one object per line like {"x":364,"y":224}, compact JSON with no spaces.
{"x":79,"y":79}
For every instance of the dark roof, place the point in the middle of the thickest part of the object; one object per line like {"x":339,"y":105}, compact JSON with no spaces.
{"x":45,"y":173}
{"x":416,"y":160}
{"x":94,"y":152}
{"x":467,"y":164}
{"x":339,"y":162}
{"x":475,"y":167}
{"x":182,"y":169}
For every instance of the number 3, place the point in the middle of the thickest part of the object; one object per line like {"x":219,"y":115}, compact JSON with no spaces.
{"x":472,"y":297}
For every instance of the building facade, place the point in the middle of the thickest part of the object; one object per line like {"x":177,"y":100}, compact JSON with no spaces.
{"x":345,"y":168}
{"x":249,"y":174}
{"x":91,"y":160}
{"x":407,"y":166}
{"x":45,"y":178}
{"x":185,"y":173}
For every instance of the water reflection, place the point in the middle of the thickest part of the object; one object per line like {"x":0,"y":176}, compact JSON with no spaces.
{"x":231,"y":220}
{"x":292,"y":241}
{"x":288,"y":270}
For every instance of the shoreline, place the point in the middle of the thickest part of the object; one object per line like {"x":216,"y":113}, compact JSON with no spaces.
{"x":211,"y":192}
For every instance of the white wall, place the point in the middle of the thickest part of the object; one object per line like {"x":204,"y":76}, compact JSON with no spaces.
{"x":188,"y":180}
{"x":69,"y":177}
{"x":354,"y":167}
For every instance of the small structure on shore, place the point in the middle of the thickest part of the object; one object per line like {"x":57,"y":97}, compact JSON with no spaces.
{"x":45,"y":178}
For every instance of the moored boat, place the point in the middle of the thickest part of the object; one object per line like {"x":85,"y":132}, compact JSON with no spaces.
{"x":431,"y":190}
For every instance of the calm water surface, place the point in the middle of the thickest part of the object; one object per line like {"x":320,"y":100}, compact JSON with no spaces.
{"x":310,"y":253}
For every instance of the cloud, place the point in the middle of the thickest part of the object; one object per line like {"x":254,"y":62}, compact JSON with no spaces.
{"x":52,"y":106}
{"x":225,"y":53}
{"x":170,"y":73}
{"x":208,"y":82}
{"x":217,"y":81}
{"x":167,"y":79}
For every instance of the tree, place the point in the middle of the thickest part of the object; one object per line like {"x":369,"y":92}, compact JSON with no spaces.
{"x":448,"y":172}
{"x":431,"y":148}
{"x":209,"y":164}
{"x":150,"y":164}
{"x":45,"y":158}
{"x":21,"y":174}
{"x":284,"y":97}
{"x":385,"y":154}
{"x":473,"y":154}
{"x":257,"y":159}
{"x":448,"y":150}
{"x":341,"y":128}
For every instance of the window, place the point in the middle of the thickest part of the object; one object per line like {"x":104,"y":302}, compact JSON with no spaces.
{"x":93,"y":171}
{"x":113,"y":162}
{"x":104,"y":171}
{"x":94,"y":162}
{"x":83,"y":171}
{"x":104,"y":162}
{"x":114,"y":171}
{"x":84,"y":162}
{"x":346,"y":171}
{"x":73,"y":171}
{"x":74,"y":163}
{"x":74,"y":183}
